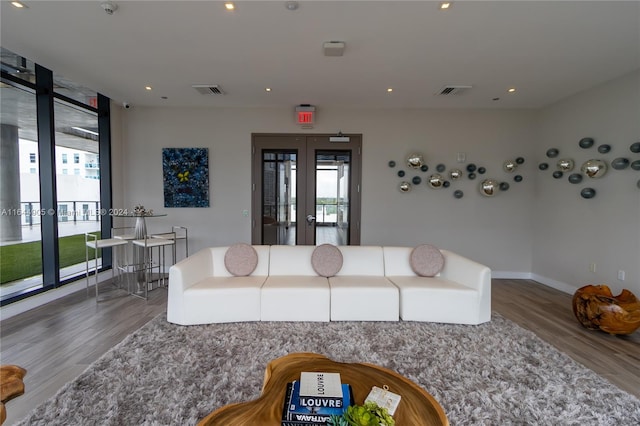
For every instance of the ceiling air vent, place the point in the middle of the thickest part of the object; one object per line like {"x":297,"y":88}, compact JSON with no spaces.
{"x":208,"y":89}
{"x":452,"y":89}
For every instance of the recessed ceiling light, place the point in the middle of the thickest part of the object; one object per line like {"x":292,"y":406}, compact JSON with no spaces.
{"x":148,"y":87}
{"x":229,"y":5}
{"x":390,"y":89}
{"x":18,"y":4}
{"x":511,"y":89}
{"x":444,"y":5}
{"x":163,"y":97}
{"x":267,"y":89}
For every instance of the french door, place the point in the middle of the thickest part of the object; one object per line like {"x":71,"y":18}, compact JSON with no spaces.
{"x":306,"y":189}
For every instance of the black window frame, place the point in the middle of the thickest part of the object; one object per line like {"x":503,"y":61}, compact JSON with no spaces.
{"x":45,"y":95}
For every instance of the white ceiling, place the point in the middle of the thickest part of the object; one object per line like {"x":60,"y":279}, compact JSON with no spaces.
{"x":546,"y":49}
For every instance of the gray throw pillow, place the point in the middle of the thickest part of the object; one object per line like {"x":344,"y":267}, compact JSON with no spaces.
{"x":241,"y":259}
{"x":426,"y":260}
{"x":326,"y":260}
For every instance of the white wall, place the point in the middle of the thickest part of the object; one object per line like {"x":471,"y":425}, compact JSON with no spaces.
{"x":496,"y":231}
{"x":571,"y":232}
{"x":540,"y":228}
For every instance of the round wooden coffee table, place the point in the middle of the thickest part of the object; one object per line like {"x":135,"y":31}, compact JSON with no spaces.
{"x":416,"y":407}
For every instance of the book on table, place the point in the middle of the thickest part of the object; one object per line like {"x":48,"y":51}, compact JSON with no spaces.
{"x":315,"y":410}
{"x":319,"y":384}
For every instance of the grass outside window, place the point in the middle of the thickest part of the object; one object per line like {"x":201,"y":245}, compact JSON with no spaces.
{"x":24,"y":260}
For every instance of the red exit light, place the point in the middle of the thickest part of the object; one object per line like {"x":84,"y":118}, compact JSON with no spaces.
{"x":305,"y":117}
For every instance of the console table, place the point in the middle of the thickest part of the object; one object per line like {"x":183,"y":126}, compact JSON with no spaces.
{"x":417,"y":407}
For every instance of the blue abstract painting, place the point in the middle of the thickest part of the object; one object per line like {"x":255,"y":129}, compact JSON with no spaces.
{"x":186,"y":177}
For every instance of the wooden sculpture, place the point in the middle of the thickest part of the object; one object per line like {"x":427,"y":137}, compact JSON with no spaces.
{"x":11,"y":386}
{"x":597,"y":309}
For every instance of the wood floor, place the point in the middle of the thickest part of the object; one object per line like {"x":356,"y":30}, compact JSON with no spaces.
{"x":56,"y":342}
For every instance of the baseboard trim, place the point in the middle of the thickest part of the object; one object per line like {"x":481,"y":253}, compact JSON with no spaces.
{"x":558,"y":285}
{"x":511,"y":275}
{"x":549,"y":282}
{"x":38,"y":300}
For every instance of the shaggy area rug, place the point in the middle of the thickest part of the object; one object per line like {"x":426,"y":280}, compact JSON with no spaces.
{"x":492,"y":374}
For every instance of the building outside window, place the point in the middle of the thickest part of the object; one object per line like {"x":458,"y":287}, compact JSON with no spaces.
{"x":25,"y":235}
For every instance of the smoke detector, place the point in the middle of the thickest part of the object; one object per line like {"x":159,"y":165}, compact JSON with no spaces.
{"x":109,"y":7}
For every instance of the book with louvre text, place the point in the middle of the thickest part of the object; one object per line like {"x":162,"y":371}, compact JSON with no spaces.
{"x":317,"y":412}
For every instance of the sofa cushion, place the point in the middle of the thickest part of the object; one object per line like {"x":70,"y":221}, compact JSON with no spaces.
{"x":241,"y":259}
{"x":426,"y":260}
{"x":362,"y":261}
{"x":326,"y":260}
{"x":295,"y":298}
{"x":364,"y":298}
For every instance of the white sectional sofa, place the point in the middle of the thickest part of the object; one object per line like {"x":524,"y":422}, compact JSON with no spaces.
{"x":282,"y":283}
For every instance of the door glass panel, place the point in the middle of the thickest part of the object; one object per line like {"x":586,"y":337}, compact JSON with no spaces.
{"x":279,"y":197}
{"x":332,"y":197}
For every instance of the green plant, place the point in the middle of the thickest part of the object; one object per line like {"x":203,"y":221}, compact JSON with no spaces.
{"x":369,"y":414}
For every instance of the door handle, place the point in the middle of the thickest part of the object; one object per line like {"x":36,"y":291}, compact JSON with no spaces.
{"x":310,"y":219}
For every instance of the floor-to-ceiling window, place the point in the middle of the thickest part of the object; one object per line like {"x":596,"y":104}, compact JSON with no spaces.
{"x":77,"y":182}
{"x":20,"y":212}
{"x":54,"y":177}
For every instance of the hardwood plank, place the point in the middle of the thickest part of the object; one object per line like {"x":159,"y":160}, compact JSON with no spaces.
{"x":58,"y":341}
{"x":548,"y":313}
